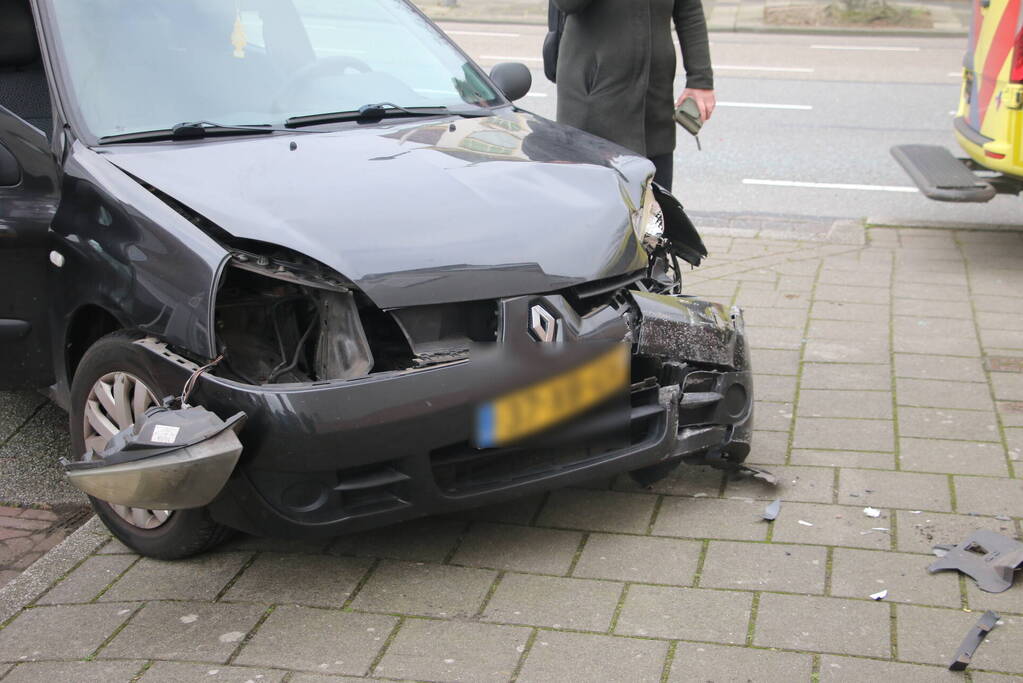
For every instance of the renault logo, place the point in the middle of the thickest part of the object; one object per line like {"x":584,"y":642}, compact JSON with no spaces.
{"x":542,"y":324}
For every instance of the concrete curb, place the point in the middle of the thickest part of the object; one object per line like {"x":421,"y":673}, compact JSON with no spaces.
{"x":884,"y":222}
{"x":39,"y":576}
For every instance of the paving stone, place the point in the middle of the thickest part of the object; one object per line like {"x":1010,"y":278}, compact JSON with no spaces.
{"x":193,"y":631}
{"x":1001,"y":339}
{"x":34,"y":513}
{"x":318,"y":640}
{"x":847,"y":329}
{"x":315,"y":678}
{"x":931,"y":636}
{"x":774,"y":317}
{"x":176,"y":672}
{"x":894,"y":489}
{"x":937,"y":309}
{"x":837,"y":310}
{"x":775,"y":388}
{"x":943,"y":394}
{"x":946,"y":423}
{"x":775,"y":361}
{"x":861,"y":573}
{"x":1014,"y":442}
{"x":86,"y":582}
{"x":954,"y":457}
{"x":453,"y":651}
{"x":848,"y":294}
{"x":197,"y":578}
{"x":844,"y":434}
{"x":315,"y":580}
{"x":424,"y":589}
{"x":423,"y":540}
{"x":847,"y":351}
{"x":598,"y":510}
{"x":832,"y":525}
{"x":835,"y":669}
{"x":816,"y":624}
{"x":685,"y":480}
{"x":22,"y":523}
{"x":710,"y":518}
{"x":803,"y":456}
{"x":918,"y":533}
{"x":75,"y":672}
{"x":790,"y":338}
{"x":923,"y":343}
{"x":985,"y":677}
{"x":60,"y":632}
{"x":1008,"y":386}
{"x":830,"y":403}
{"x":807,"y":484}
{"x":646,"y":559}
{"x":556,"y":602}
{"x":270,"y":544}
{"x":764,"y":566}
{"x":703,"y":662}
{"x":15,"y":408}
{"x":1010,"y":412}
{"x":518,"y":548}
{"x":846,"y":376}
{"x":939,"y":367}
{"x":987,"y":496}
{"x":925,"y":326}
{"x":584,"y":657}
{"x":686,"y":613}
{"x":115,"y":547}
{"x":929,"y":292}
{"x":769,"y":448}
{"x":772,"y":416}
{"x":1010,"y":601}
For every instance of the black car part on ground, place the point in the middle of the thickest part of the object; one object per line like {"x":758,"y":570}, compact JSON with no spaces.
{"x":973,"y":639}
{"x":989,"y":558}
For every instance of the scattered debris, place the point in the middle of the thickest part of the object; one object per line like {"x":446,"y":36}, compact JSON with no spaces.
{"x":915,"y":512}
{"x":805,"y":523}
{"x":987,"y":557}
{"x":941,"y":550}
{"x":757,"y":473}
{"x":1003,"y":518}
{"x":972,"y":641}
{"x":871,"y":512}
{"x":880,"y":595}
{"x":770,"y":513}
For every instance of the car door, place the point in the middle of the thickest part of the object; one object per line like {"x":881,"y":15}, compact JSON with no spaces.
{"x":28,"y":202}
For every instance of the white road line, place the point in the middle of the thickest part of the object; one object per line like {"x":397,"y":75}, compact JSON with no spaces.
{"x":536,"y":94}
{"x":785,"y":69}
{"x":765,"y":105}
{"x":483,"y":33}
{"x":955,"y":74}
{"x":829,"y":186}
{"x":878,"y":48}
{"x":512,"y":59}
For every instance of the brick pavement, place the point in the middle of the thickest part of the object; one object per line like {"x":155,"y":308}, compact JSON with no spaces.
{"x":889,"y":375}
{"x":28,"y":532}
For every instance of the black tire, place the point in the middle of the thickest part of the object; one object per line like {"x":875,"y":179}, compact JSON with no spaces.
{"x":186,"y":532}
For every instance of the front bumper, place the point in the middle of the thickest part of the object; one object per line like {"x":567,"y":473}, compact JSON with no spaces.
{"x":336,"y":457}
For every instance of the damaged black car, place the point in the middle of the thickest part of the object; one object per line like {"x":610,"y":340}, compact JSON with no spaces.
{"x":299,"y":267}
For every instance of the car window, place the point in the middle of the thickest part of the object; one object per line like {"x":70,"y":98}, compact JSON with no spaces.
{"x":140,"y":65}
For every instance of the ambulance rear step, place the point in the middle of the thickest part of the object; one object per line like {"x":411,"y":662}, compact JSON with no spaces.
{"x":941,"y":176}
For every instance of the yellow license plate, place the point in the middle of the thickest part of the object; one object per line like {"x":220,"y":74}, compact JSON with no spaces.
{"x":542,"y":405}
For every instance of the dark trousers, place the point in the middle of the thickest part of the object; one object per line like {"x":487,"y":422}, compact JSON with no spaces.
{"x":665,"y":165}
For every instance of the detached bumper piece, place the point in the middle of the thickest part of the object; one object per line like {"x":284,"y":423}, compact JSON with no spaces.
{"x":973,"y":639}
{"x":941,"y":176}
{"x":989,"y":558}
{"x":170,"y":460}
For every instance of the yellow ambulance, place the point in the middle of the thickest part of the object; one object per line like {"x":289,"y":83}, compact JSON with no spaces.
{"x":989,"y":121}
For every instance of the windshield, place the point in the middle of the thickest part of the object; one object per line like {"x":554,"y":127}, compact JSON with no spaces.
{"x":144,"y":65}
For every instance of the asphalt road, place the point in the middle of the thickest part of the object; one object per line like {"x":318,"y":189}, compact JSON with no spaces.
{"x":795,"y":111}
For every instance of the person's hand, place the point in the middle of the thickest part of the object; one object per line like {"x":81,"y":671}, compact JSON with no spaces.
{"x":704,"y":101}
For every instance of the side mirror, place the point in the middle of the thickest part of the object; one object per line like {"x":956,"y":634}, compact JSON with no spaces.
{"x":10,"y":169}
{"x":514,"y":79}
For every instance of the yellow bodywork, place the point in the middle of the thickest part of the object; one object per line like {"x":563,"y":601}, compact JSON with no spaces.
{"x":989,"y":121}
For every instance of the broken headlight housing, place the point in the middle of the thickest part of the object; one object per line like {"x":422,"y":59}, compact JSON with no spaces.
{"x":282,"y":317}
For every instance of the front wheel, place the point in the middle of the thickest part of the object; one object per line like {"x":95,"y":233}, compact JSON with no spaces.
{"x":112,"y":389}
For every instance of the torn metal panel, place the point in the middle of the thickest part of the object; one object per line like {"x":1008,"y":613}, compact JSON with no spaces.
{"x":973,"y":639}
{"x":987,"y":557}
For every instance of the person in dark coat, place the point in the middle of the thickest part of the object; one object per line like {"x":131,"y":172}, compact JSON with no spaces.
{"x":616,"y":72}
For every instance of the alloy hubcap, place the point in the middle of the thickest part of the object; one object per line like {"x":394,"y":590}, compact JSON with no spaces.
{"x":117,"y":401}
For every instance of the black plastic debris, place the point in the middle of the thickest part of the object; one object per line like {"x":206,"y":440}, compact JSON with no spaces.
{"x":770,"y":513}
{"x":745,"y":470}
{"x":987,"y":557}
{"x":973,"y":639}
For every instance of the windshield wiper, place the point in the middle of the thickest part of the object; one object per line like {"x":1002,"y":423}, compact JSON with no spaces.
{"x":192,"y":130}
{"x":380,"y":110}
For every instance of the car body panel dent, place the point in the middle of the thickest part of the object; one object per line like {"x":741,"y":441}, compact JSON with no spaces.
{"x":493,"y":206}
{"x":131,"y":254}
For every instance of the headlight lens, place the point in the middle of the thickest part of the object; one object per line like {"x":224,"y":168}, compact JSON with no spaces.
{"x":650,"y":224}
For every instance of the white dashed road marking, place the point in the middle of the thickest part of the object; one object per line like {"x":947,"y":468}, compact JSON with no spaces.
{"x":829,"y":186}
{"x":765,"y":105}
{"x":512,"y":59}
{"x":784,"y":69}
{"x":483,"y":33}
{"x":878,"y":48}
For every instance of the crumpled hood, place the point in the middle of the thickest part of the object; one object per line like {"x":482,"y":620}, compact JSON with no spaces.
{"x":420,"y":212}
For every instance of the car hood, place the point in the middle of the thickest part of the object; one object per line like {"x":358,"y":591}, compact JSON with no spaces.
{"x":419,"y":212}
